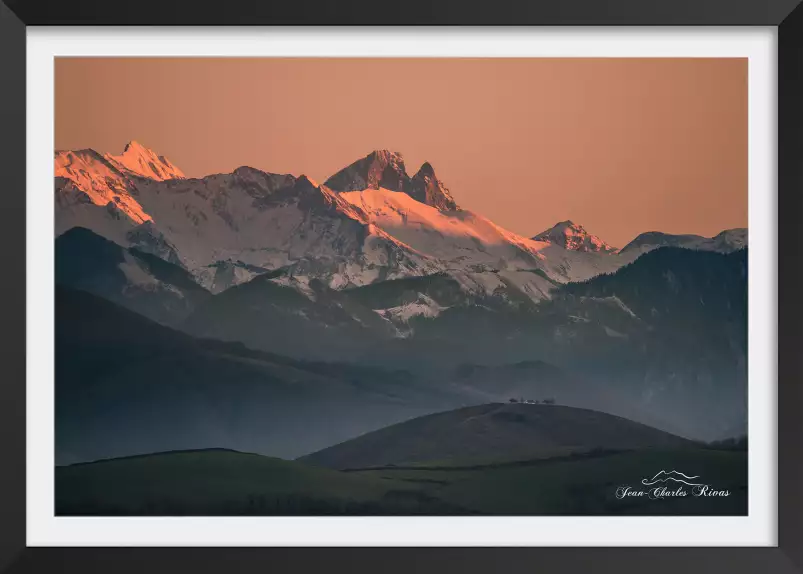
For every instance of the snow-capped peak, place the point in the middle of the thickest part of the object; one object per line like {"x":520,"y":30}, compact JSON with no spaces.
{"x":110,"y":181}
{"x":85,"y":175}
{"x":146,"y":163}
{"x":574,"y":237}
{"x":384,"y":169}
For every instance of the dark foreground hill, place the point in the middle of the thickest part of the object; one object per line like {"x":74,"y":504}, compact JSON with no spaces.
{"x":219,"y":482}
{"x":493,"y":431}
{"x":161,"y":290}
{"x":224,"y":482}
{"x":126,"y":385}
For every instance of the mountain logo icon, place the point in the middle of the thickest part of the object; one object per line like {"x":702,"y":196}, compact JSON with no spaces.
{"x":672,"y":475}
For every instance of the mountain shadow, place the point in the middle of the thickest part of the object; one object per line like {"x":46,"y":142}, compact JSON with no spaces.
{"x":126,"y":385}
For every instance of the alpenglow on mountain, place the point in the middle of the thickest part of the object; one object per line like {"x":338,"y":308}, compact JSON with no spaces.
{"x":370,"y":222}
{"x":367,"y":223}
{"x":574,"y":237}
{"x":383,"y":169}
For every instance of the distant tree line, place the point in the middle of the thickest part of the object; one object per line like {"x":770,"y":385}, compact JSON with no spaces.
{"x":735,"y":443}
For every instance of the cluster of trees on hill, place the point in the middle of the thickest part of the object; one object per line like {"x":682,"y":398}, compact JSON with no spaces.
{"x":549,"y":401}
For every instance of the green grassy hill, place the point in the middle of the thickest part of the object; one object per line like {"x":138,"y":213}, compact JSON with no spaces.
{"x":584,"y":484}
{"x":220,"y":482}
{"x":492,"y":432}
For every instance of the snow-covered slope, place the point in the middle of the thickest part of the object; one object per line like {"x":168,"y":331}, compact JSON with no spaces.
{"x":461,"y":237}
{"x":105,"y":179}
{"x":724,"y":242}
{"x":226,"y":228}
{"x":370,"y":222}
{"x":475,"y":250}
{"x":142,"y":161}
{"x":90,"y":178}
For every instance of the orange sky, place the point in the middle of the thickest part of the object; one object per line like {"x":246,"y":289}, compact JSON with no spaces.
{"x":620,"y":146}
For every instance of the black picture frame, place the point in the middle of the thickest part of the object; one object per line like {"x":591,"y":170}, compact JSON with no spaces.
{"x":16,"y":15}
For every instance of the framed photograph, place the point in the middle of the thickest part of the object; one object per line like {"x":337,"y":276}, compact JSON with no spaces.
{"x":471,"y":278}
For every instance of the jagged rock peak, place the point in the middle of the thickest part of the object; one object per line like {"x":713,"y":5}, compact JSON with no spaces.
{"x":426,"y":169}
{"x":386,"y":169}
{"x":427,"y":188}
{"x":380,"y":168}
{"x":574,"y":237}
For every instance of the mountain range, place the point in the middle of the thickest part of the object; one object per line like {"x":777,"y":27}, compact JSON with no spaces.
{"x":371,"y":273}
{"x":369,"y":222}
